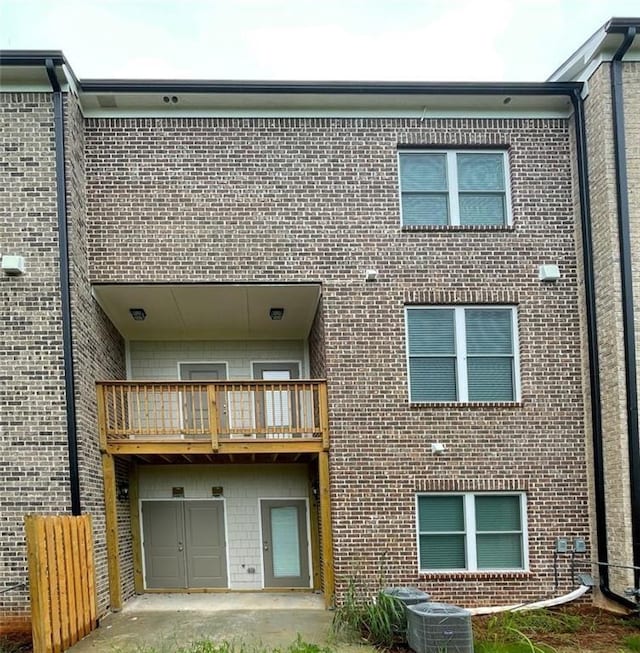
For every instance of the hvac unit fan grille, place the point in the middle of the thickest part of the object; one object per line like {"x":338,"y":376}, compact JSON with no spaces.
{"x":436,"y":627}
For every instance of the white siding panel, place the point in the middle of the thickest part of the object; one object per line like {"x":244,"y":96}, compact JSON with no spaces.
{"x":243,"y":486}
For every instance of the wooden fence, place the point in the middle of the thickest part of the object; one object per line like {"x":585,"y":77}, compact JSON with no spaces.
{"x":61,"y":580}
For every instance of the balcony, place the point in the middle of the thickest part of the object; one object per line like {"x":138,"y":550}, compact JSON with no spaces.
{"x":228,"y":417}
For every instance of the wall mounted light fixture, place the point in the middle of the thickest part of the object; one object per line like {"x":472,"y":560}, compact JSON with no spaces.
{"x":12,"y":266}
{"x":123,"y":492}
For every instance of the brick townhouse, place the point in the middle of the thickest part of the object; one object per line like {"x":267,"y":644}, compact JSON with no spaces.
{"x":280,"y":335}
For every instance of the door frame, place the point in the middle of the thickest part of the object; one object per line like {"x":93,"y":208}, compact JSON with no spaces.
{"x":259,"y":401}
{"x":179,"y":364}
{"x":183,"y":499}
{"x":307,"y":526}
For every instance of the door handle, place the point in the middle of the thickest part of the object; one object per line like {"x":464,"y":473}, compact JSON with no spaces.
{"x":266,"y":546}
{"x":180,"y":546}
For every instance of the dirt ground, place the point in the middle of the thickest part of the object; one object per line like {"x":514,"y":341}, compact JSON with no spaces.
{"x":601,"y":632}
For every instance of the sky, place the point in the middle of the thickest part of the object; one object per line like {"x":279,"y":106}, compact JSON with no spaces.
{"x":412,"y":40}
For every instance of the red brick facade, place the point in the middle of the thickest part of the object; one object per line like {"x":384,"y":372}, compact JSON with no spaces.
{"x":290,"y":200}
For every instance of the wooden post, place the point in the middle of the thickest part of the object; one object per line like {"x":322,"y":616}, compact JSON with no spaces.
{"x":323,"y":410}
{"x":213,"y":416}
{"x":315,"y":534}
{"x":136,"y":543}
{"x":102,"y":418}
{"x":325,"y":529}
{"x":111,"y":517}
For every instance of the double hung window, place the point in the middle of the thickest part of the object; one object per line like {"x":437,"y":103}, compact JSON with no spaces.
{"x":462,"y":354}
{"x":459,"y":188}
{"x":471,"y":532}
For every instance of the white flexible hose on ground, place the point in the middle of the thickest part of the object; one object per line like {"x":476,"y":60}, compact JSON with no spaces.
{"x":521,"y":607}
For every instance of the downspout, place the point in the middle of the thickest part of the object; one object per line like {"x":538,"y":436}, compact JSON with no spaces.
{"x":65,"y":289}
{"x":628,"y":321}
{"x":592,"y":346}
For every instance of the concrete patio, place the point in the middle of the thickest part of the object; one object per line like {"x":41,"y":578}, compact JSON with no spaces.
{"x":165,"y":622}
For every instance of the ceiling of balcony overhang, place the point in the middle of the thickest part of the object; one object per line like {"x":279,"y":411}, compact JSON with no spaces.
{"x":210,"y":311}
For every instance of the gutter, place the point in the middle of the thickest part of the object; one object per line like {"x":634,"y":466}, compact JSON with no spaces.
{"x":65,"y":289}
{"x":326,"y":88}
{"x":592,"y":345}
{"x":628,"y":321}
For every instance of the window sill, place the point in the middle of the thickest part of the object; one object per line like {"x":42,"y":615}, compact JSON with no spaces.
{"x":455,"y":228}
{"x":465,"y":404}
{"x":476,"y":575}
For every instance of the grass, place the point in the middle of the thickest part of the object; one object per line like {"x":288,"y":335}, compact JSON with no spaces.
{"x":380,"y":621}
{"x":632,"y":643}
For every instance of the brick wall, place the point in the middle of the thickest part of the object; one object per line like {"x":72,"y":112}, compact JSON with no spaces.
{"x":203,"y":191}
{"x":33,"y":435}
{"x":98,"y":353}
{"x":609,"y":311}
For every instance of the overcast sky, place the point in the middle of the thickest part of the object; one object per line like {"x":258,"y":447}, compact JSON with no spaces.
{"x":456,"y":40}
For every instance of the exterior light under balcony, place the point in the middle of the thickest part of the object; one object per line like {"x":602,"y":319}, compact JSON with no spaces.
{"x":138,"y":314}
{"x":276,"y":313}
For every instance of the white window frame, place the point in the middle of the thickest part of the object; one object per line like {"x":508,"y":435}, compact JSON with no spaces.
{"x":452,"y":185}
{"x":460,"y":334}
{"x":471,"y":553}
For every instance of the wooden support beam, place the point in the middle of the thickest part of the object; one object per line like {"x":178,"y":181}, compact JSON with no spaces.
{"x":160,"y":448}
{"x":313,"y":522}
{"x":323,"y":406}
{"x":102,"y":419}
{"x":136,"y":541}
{"x":213,"y":416}
{"x":111,"y":518}
{"x":325,"y":528}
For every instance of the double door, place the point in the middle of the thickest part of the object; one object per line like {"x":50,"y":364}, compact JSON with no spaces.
{"x":184,"y":544}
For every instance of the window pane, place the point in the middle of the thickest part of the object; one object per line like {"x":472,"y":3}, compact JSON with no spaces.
{"x":480,"y":172}
{"x":490,"y":379}
{"x":499,"y":551}
{"x":497,"y":513}
{"x":423,"y":209}
{"x":423,"y":172}
{"x":484,"y":209}
{"x":441,"y":513}
{"x":442,"y":552}
{"x":488,"y":331}
{"x":431,"y":331}
{"x":432,"y":379}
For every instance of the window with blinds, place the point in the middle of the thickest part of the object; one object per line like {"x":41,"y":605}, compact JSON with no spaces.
{"x":462,"y":353}
{"x":464,"y":188}
{"x":471,"y":532}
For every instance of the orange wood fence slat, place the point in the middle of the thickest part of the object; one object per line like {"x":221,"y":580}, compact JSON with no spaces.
{"x":61,"y":580}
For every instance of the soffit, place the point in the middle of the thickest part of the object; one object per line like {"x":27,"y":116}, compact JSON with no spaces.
{"x":210,"y":311}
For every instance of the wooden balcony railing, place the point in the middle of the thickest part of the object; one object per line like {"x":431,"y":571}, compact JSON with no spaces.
{"x":215,"y":411}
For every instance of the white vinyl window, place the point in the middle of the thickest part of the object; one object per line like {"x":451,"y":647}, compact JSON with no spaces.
{"x":462,"y":354}
{"x":471,"y":532}
{"x":460,"y":188}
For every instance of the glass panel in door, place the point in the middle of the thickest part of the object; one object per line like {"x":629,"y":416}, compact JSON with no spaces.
{"x":285,"y":543}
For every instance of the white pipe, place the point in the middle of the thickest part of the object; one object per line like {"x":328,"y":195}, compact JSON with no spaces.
{"x":521,"y":607}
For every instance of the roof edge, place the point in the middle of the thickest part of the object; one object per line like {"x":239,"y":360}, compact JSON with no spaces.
{"x":327,"y":87}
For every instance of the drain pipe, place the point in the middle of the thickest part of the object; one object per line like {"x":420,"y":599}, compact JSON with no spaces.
{"x":65,"y":290}
{"x":628,"y":322}
{"x":592,"y":345}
